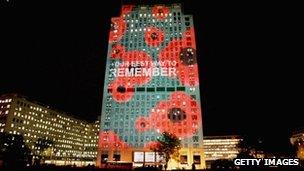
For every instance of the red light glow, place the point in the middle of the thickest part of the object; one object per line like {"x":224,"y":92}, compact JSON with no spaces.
{"x":118,"y":28}
{"x":152,"y":145}
{"x":110,"y":140}
{"x":160,"y":12}
{"x":154,"y":36}
{"x":179,"y":115}
{"x":184,"y":53}
{"x":126,"y":9}
{"x":117,"y":51}
{"x":122,"y":88}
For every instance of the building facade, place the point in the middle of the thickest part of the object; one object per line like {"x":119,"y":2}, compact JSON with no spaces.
{"x":151,"y":86}
{"x":297,"y":140}
{"x":75,"y":140}
{"x":220,"y":147}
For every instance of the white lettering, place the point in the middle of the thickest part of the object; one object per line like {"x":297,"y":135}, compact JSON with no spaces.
{"x":138,"y":72}
{"x":120,"y":72}
{"x":247,"y":162}
{"x":164,"y":72}
{"x":146,"y":71}
{"x":113,"y":71}
{"x":172,"y":72}
{"x":129,"y":72}
{"x":155,"y":71}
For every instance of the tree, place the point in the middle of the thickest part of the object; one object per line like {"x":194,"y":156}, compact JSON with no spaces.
{"x":13,"y":150}
{"x":221,"y":164}
{"x":250,"y":147}
{"x":43,"y":148}
{"x":168,"y":146}
{"x":298,"y":148}
{"x":244,"y":149}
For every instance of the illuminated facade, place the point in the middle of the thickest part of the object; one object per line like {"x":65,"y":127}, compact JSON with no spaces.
{"x":151,"y":86}
{"x":75,"y":140}
{"x":297,"y":140}
{"x":220,"y":147}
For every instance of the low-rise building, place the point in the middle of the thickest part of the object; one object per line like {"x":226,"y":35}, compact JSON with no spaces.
{"x":75,"y":140}
{"x":220,"y":147}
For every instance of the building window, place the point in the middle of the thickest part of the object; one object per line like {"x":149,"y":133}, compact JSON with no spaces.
{"x":116,"y":157}
{"x":104,"y":158}
{"x":183,"y":159}
{"x":193,"y":96}
{"x":197,"y":159}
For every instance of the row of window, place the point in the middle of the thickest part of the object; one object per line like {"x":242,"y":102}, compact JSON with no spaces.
{"x":5,"y":106}
{"x":16,"y":120}
{"x":3,"y":112}
{"x":156,"y":82}
{"x":140,"y":14}
{"x":47,"y":123}
{"x":152,"y":89}
{"x":140,"y":158}
{"x":5,"y":100}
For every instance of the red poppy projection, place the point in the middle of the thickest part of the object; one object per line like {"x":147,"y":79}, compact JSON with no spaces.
{"x":152,"y":145}
{"x":151,"y":82}
{"x":136,"y":59}
{"x":179,"y":115}
{"x":118,"y":24}
{"x":160,"y":12}
{"x":126,"y":9}
{"x":154,"y":36}
{"x":184,"y":53}
{"x":117,"y":51}
{"x":122,"y":88}
{"x":110,"y":140}
{"x":117,"y":30}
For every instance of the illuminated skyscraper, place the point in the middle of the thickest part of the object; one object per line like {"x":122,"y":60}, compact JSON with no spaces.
{"x":151,"y":86}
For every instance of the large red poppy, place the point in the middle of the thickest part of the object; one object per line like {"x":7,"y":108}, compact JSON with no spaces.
{"x":122,"y":89}
{"x":154,"y":36}
{"x":183,"y":52}
{"x":179,"y":115}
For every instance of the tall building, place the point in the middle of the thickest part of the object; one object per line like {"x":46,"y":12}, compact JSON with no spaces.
{"x":151,"y":86}
{"x":220,"y":147}
{"x":75,"y":140}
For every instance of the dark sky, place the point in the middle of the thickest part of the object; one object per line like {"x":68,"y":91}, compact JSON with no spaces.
{"x":250,"y":54}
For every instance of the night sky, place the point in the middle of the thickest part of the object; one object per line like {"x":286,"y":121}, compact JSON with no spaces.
{"x":250,"y":57}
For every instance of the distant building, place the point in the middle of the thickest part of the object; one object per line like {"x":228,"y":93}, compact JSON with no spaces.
{"x":297,"y":140}
{"x":75,"y":140}
{"x":220,"y":147}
